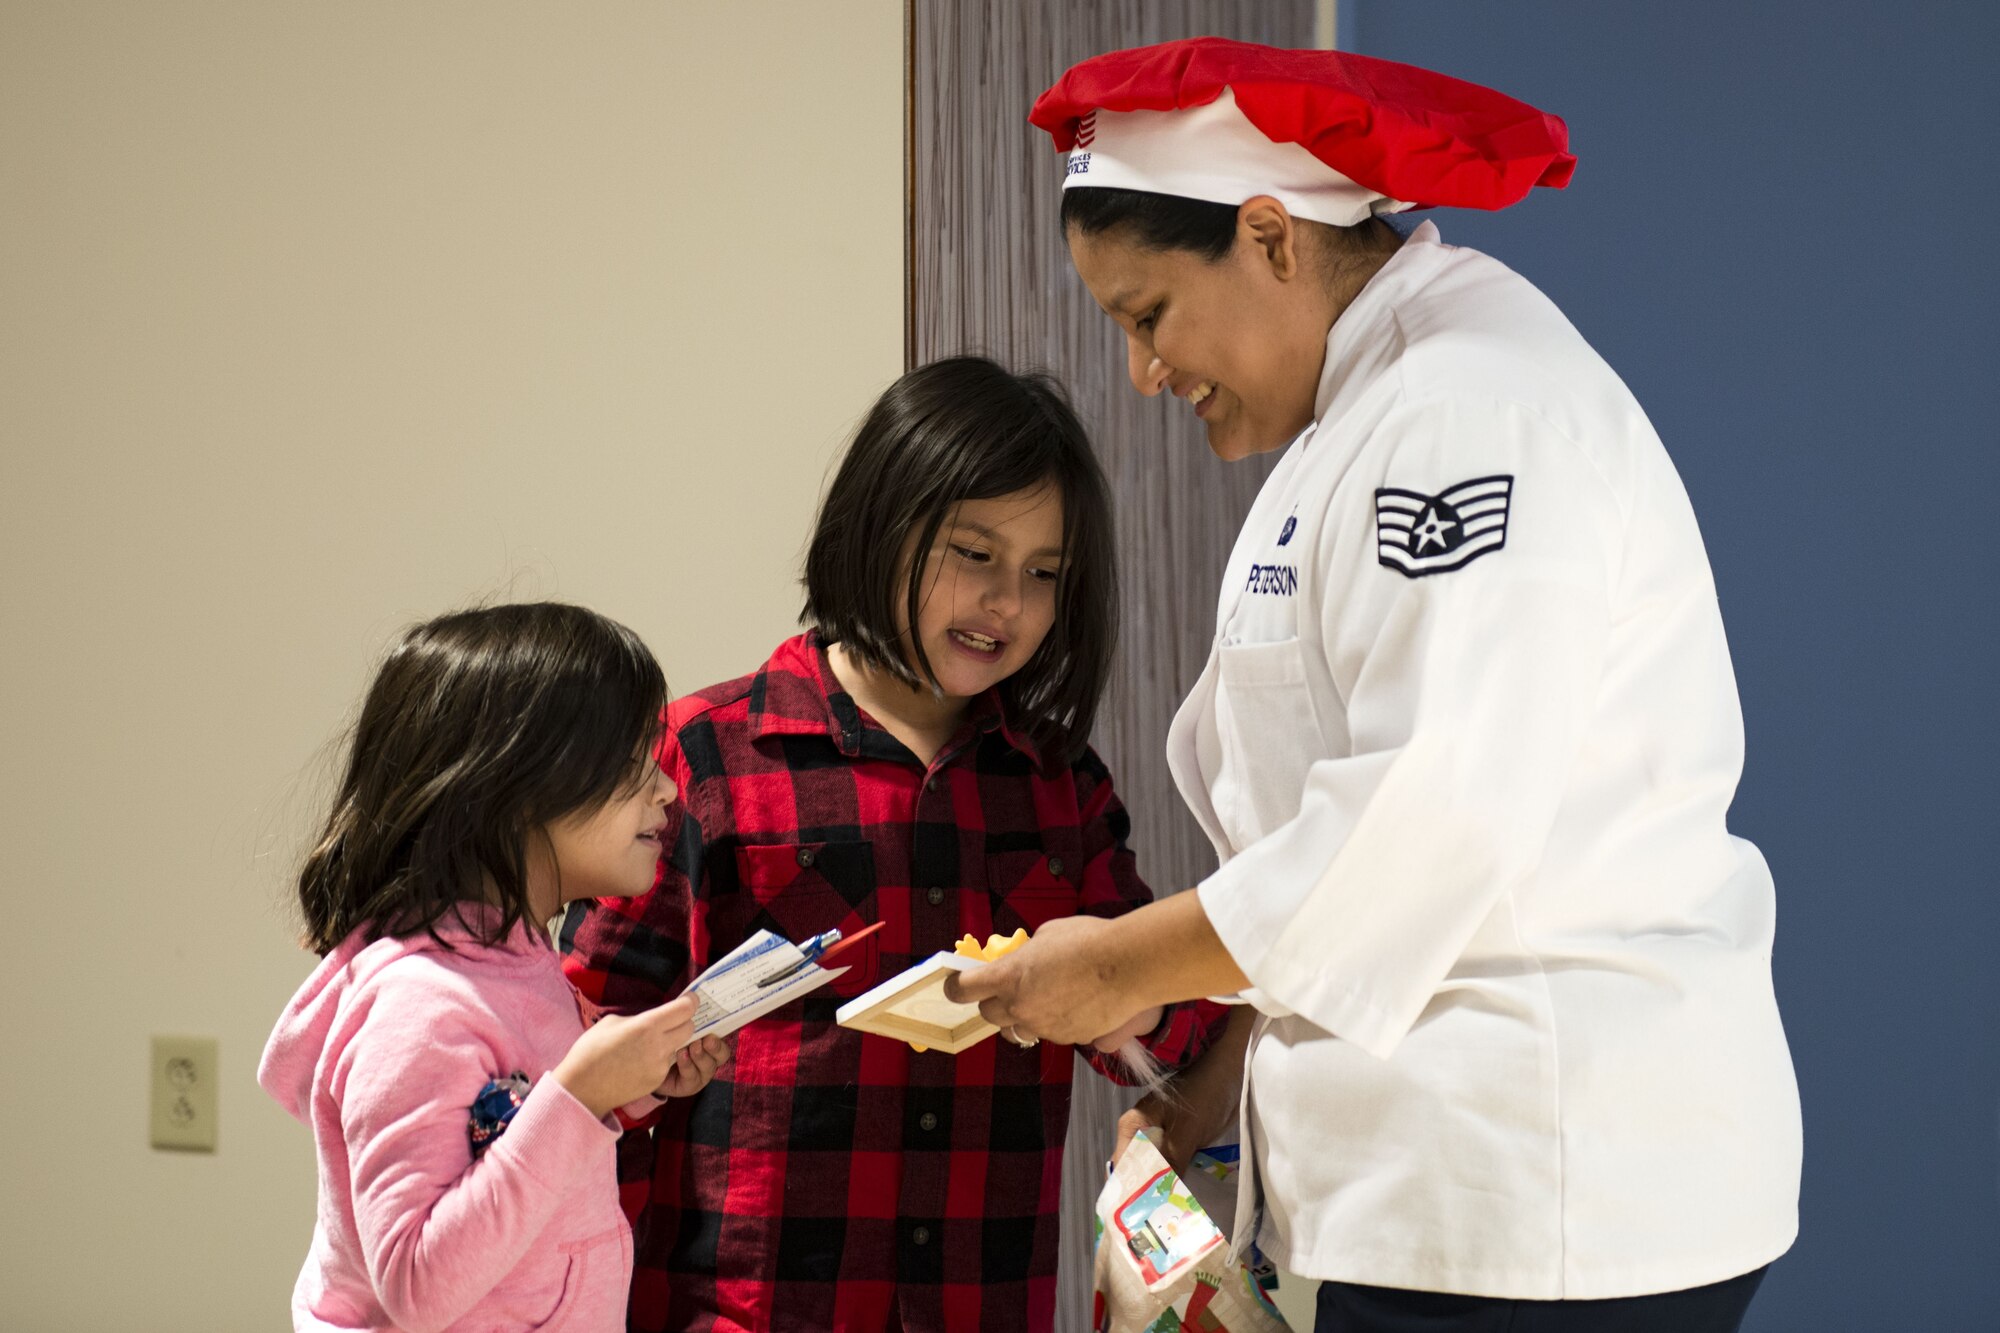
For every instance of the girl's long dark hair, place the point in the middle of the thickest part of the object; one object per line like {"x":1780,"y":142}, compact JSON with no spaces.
{"x":967,"y":429}
{"x":480,"y":727}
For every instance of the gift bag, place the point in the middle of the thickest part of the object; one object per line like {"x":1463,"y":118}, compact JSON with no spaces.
{"x":1163,"y":1264}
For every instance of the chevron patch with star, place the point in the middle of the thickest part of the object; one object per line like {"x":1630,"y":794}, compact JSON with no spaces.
{"x":1418,"y":534}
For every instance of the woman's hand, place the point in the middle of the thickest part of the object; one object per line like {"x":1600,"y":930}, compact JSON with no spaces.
{"x":1083,"y":977}
{"x":1060,"y":985}
{"x":619,"y":1060}
{"x":694,"y":1067}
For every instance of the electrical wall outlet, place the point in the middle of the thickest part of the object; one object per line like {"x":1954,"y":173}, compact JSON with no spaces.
{"x":185,"y":1093}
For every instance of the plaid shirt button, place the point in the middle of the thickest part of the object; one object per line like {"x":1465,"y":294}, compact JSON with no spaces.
{"x":920,"y":1236}
{"x":928,"y":1120}
{"x":1055,"y":866}
{"x":805,"y":857}
{"x":934,"y":896}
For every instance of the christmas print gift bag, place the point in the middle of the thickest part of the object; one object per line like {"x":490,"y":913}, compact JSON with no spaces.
{"x":1162,"y":1263}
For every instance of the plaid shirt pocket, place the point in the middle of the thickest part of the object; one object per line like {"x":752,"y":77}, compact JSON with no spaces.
{"x":1030,"y":888}
{"x":802,"y":889}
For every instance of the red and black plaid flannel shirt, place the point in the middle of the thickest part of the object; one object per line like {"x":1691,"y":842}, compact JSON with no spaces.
{"x":829,"y":1179}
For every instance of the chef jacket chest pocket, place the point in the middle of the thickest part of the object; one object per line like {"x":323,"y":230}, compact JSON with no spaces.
{"x":1270,"y":735}
{"x":803,"y":889}
{"x":1030,"y":887}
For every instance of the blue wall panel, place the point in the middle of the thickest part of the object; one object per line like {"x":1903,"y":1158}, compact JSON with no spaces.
{"x":1782,"y":233}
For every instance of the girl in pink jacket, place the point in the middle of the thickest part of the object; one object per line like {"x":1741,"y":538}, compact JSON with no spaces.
{"x":462,"y":1107}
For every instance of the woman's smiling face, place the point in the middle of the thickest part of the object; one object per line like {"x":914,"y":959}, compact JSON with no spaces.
{"x":1240,"y":339}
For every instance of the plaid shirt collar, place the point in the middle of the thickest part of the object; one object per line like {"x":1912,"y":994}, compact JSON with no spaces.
{"x":795,"y":693}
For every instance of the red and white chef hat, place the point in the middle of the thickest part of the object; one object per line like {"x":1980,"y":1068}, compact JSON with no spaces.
{"x":1333,"y":136}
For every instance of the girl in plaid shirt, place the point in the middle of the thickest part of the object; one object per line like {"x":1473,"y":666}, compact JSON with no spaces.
{"x":916,"y":758}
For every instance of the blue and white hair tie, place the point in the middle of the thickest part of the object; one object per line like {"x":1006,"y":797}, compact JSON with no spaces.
{"x":494,"y":1108}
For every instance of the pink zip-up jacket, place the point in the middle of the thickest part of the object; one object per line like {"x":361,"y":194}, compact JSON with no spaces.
{"x":382,"y":1052}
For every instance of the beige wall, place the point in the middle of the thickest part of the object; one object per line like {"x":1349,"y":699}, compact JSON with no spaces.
{"x":315,"y":319}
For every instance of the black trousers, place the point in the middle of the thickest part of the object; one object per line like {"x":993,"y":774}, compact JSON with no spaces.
{"x":1347,"y":1308}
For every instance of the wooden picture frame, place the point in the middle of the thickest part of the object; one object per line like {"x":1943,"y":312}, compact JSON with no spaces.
{"x":911,"y":1007}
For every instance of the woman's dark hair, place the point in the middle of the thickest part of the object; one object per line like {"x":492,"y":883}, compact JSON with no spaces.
{"x":1203,"y":228}
{"x":955,"y":430}
{"x":480,"y":727}
{"x":1155,"y":221}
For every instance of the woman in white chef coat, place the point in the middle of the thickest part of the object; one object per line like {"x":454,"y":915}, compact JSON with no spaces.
{"x":1465,"y":741}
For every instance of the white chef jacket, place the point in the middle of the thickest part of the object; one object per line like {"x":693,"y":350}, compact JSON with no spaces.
{"x":1465,"y":743}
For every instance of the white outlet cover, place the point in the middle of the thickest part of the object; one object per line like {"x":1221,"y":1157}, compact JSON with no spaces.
{"x":185,"y":1093}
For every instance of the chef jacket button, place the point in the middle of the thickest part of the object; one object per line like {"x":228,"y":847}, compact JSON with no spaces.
{"x":934,"y":896}
{"x":1055,"y":866}
{"x":805,"y":856}
{"x":920,"y":1236}
{"x":927,"y":1121}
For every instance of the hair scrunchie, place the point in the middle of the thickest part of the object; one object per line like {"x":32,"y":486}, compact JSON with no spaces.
{"x":494,"y":1108}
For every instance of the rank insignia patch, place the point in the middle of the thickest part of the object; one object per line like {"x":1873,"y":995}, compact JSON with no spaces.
{"x":1418,"y":534}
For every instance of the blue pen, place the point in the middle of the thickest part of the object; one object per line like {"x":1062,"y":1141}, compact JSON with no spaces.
{"x":811,"y":951}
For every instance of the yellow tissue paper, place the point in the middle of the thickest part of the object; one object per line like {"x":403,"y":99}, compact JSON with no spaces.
{"x":996,"y":946}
